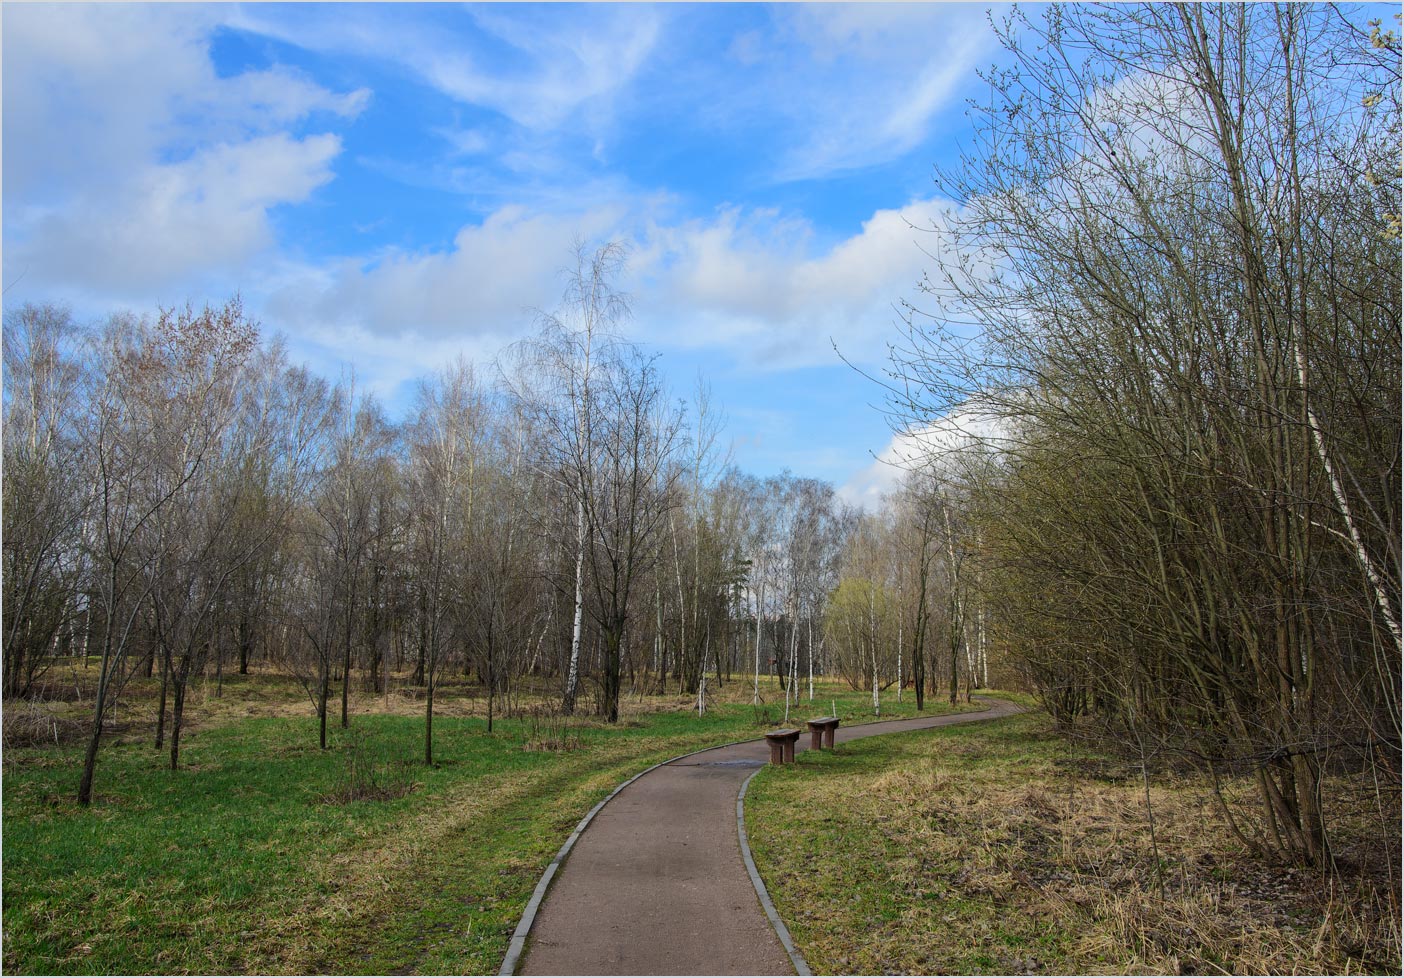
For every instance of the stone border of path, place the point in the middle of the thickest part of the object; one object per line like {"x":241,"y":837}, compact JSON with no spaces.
{"x":519,"y":936}
{"x":781,"y":931}
{"x":801,"y":966}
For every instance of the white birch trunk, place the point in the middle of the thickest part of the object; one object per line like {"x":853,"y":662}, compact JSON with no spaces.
{"x":573,"y":673}
{"x":899,"y":643}
{"x":872,"y":647}
{"x":702,"y":680}
{"x":1362,"y":556}
{"x":810,"y":627}
{"x":760,"y":604}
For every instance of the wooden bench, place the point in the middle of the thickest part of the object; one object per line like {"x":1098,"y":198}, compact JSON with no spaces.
{"x":782,"y":745}
{"x":822,"y":729}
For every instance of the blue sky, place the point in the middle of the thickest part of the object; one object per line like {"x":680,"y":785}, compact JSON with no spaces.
{"x":388,"y":185}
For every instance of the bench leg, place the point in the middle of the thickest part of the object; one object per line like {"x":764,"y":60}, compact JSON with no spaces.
{"x":829,"y":737}
{"x":777,"y":753}
{"x":790,"y":751}
{"x":816,"y":738}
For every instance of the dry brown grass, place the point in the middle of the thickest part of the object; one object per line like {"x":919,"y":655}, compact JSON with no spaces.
{"x":966,"y":852}
{"x":60,"y":710}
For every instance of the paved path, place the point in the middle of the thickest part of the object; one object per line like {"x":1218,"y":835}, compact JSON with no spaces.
{"x":657,"y":885}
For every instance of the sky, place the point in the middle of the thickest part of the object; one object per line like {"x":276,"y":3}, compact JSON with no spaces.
{"x":390,"y":185}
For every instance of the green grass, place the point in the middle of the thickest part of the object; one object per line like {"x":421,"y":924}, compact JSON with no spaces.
{"x":237,"y":863}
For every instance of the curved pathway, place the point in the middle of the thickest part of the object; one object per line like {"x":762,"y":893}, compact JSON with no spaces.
{"x":657,"y":883}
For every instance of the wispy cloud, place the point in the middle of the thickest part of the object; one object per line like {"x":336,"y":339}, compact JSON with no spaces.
{"x":539,"y":68}
{"x":882,"y":76}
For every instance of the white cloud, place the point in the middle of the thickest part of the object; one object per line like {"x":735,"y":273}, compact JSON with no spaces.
{"x":550,"y":65}
{"x":90,"y":89}
{"x":746,"y":284}
{"x":889,"y":71}
{"x":172,"y":223}
{"x":484,"y":285}
{"x":569,"y":62}
{"x":131,"y":165}
{"x":965,"y":430}
{"x":750,"y":285}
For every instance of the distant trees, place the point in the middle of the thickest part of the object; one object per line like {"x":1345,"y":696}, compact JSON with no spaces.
{"x":1174,"y":278}
{"x":179,"y":499}
{"x":181,"y":502}
{"x":446,"y":461}
{"x":46,"y":500}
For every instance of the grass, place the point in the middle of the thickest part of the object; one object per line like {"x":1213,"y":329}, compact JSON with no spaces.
{"x":993,"y":849}
{"x":249,"y":859}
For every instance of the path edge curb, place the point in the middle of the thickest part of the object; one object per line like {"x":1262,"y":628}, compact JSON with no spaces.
{"x":519,"y":936}
{"x":801,"y":966}
{"x":781,"y":931}
{"x":528,"y":918}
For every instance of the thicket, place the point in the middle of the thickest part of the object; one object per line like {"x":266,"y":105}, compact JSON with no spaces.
{"x":1171,"y":277}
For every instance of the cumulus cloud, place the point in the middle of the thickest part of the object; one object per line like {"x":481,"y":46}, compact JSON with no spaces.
{"x":968,"y":429}
{"x":130,"y":164}
{"x":750,"y":285}
{"x":173,"y":222}
{"x":484,"y":285}
{"x":755,"y":284}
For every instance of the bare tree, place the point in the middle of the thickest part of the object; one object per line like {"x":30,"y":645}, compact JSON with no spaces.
{"x":1175,"y":277}
{"x":155,"y":428}
{"x":45,"y":499}
{"x":340,"y":528}
{"x":627,"y":495}
{"x":446,"y":449}
{"x":556,"y":376}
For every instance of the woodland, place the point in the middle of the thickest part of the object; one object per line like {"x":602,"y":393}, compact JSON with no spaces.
{"x":1151,"y":391}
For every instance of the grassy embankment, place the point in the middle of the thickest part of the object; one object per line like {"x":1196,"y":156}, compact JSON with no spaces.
{"x":245,"y":860}
{"x":999,"y":849}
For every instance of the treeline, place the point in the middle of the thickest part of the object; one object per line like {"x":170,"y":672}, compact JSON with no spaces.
{"x":1173,"y":284}
{"x":182,"y":501}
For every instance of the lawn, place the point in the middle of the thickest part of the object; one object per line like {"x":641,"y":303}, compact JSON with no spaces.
{"x":1001,"y":849}
{"x":248,"y":860}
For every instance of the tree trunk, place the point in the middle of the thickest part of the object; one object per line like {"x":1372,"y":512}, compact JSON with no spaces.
{"x":177,"y":715}
{"x":809,"y":649}
{"x":245,"y":641}
{"x":573,"y":670}
{"x":85,"y":785}
{"x":322,"y":701}
{"x":429,"y":715}
{"x":760,"y":599}
{"x":491,"y":683}
{"x":613,"y":640}
{"x":161,"y":711}
{"x":346,"y":660}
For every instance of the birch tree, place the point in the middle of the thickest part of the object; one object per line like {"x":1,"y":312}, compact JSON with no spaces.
{"x":45,"y":496}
